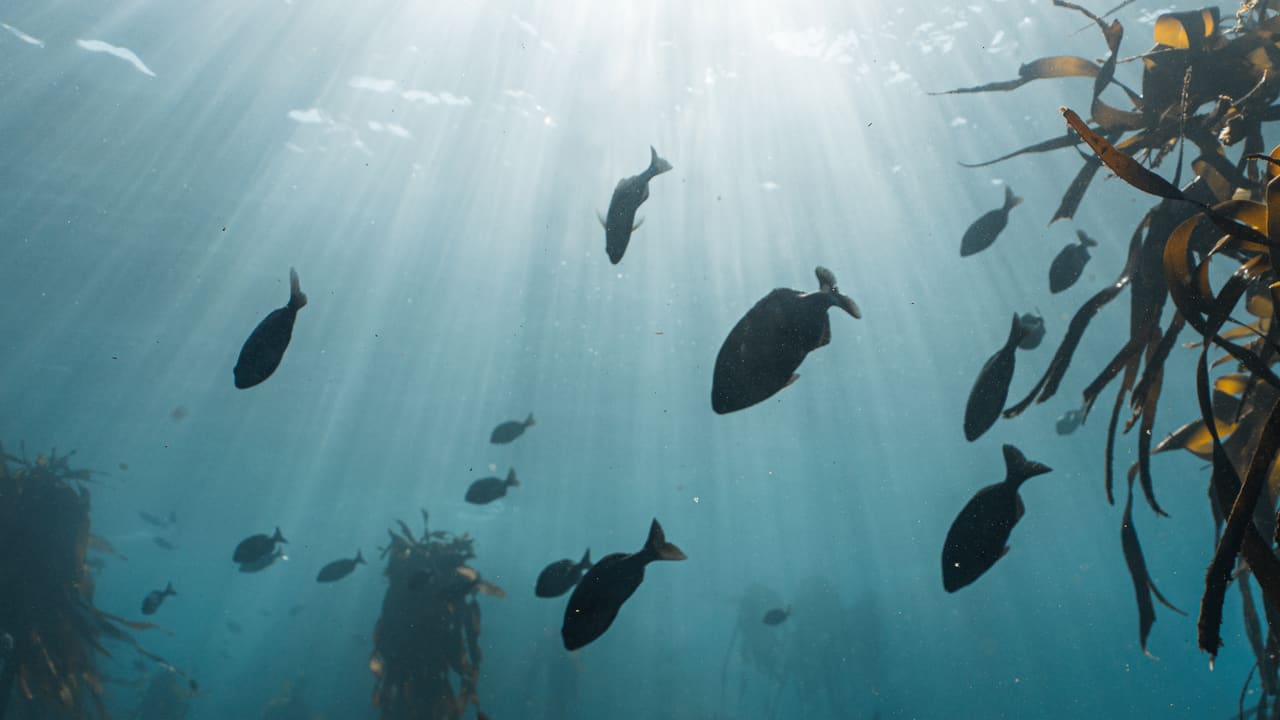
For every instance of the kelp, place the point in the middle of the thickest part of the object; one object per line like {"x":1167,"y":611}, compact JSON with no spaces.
{"x":46,"y":592}
{"x":427,"y":639}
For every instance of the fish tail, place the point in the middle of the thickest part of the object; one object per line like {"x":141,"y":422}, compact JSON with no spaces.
{"x":1018,"y":469}
{"x":657,"y":165}
{"x":168,"y":589}
{"x":826,"y":279}
{"x":360,"y":557}
{"x":511,"y":478}
{"x":528,"y":422}
{"x":657,"y":547}
{"x":1016,"y":332}
{"x":827,"y":285}
{"x":278,"y":538}
{"x":1085,"y":240}
{"x":1011,"y":201}
{"x":586,"y":559}
{"x":297,"y":298}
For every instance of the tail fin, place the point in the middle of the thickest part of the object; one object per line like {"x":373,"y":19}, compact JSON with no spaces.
{"x":278,"y":538}
{"x":1085,"y":240}
{"x":297,"y":298}
{"x":1018,"y":469}
{"x":657,"y":165}
{"x":1016,"y":332}
{"x":586,"y":559}
{"x":511,"y":478}
{"x":528,"y":422}
{"x":360,"y":558}
{"x":657,"y":546}
{"x":168,"y":589}
{"x":826,"y":279}
{"x":1011,"y":201}
{"x":827,"y":284}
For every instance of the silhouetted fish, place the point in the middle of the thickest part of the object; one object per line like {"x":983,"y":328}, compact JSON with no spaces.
{"x":985,"y":229}
{"x":263,"y":562}
{"x":155,"y":599}
{"x":257,"y":547}
{"x":1068,"y":422}
{"x":777,"y":616}
{"x":234,"y":627}
{"x":629,"y":194}
{"x":1069,"y":263}
{"x":162,"y":543}
{"x":154,"y":520}
{"x":763,"y":351}
{"x":986,"y":399}
{"x":510,"y":430}
{"x":339,"y":569}
{"x":1033,"y":331}
{"x":262,"y":352}
{"x":560,"y":576}
{"x":977,"y":538}
{"x":598,"y":597}
{"x":486,"y":490}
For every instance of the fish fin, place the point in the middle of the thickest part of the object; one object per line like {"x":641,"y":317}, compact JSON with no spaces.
{"x":601,"y":219}
{"x":168,"y":589}
{"x":846,"y":303}
{"x":658,"y":547}
{"x":278,"y":537}
{"x":792,"y":380}
{"x":826,"y":279}
{"x":1018,"y":468}
{"x":1016,"y":333}
{"x":637,"y":225}
{"x":297,"y":298}
{"x":528,"y":422}
{"x":657,"y":165}
{"x":1011,"y":201}
{"x":586,"y":559}
{"x":1085,"y":240}
{"x":511,"y":478}
{"x":360,"y":557}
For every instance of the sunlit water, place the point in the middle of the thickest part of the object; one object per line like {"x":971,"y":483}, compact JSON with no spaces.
{"x":433,"y":171}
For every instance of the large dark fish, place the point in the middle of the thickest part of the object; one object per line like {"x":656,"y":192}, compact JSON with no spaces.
{"x":985,"y":229}
{"x":629,"y":194}
{"x":265,"y":347}
{"x":765,"y":348}
{"x":339,"y":569}
{"x":510,"y":430}
{"x":154,"y":599}
{"x":777,"y":616}
{"x":598,"y":597}
{"x":986,"y":399}
{"x":560,"y":576}
{"x":256,"y":547}
{"x":977,"y":538}
{"x":263,"y":562}
{"x":1070,"y":262}
{"x":1033,"y":331}
{"x":486,"y":490}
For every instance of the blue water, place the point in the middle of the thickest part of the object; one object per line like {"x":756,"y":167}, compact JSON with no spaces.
{"x":433,"y":171}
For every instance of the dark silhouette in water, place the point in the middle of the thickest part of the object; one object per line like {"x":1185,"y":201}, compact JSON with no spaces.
{"x":1069,"y":263}
{"x":510,"y":430}
{"x":1032,"y":331}
{"x":154,"y":599}
{"x":262,"y":352}
{"x":984,"y":231}
{"x":777,"y":616}
{"x":977,"y":538}
{"x":560,"y":576}
{"x":599,"y":596}
{"x":339,"y":569}
{"x":486,"y":490}
{"x":256,"y":547}
{"x":764,"y":349}
{"x":991,"y":389}
{"x":628,"y":196}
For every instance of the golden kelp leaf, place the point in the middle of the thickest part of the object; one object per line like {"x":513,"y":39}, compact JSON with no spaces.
{"x":1232,"y":384}
{"x":1177,"y":30}
{"x":1218,"y":185}
{"x":1110,"y":119}
{"x":1122,"y":165}
{"x":1259,"y":306}
{"x":1058,"y":66}
{"x":1057,"y":143}
{"x":487,"y":588}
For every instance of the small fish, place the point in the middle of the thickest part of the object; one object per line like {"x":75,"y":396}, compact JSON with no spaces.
{"x":257,"y":547}
{"x":560,"y":576}
{"x":1033,"y":331}
{"x":124,"y":466}
{"x":234,"y":627}
{"x":1070,"y":262}
{"x":339,"y":569}
{"x":262,"y":352}
{"x":599,"y":596}
{"x":985,"y":229}
{"x":627,"y":197}
{"x":777,"y":616}
{"x":154,"y":599}
{"x":163,"y":543}
{"x":1069,"y":421}
{"x":765,"y":348}
{"x":510,"y":430}
{"x":263,"y":562}
{"x":179,"y":413}
{"x":977,"y":538}
{"x":155,"y":520}
{"x":486,"y":490}
{"x":986,"y":399}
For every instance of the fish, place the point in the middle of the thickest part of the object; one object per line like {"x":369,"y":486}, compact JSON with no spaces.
{"x":1033,"y":331}
{"x":1069,"y":421}
{"x":163,"y":543}
{"x":600,"y":594}
{"x":560,"y":576}
{"x":985,"y":229}
{"x":256,"y":547}
{"x":339,"y":569}
{"x":1070,"y":262}
{"x":154,"y":599}
{"x":486,"y":490}
{"x":510,"y":430}
{"x":986,"y":399}
{"x":263,"y":351}
{"x":234,"y":627}
{"x":977,"y":538}
{"x":628,"y":196}
{"x":764,"y":349}
{"x":777,"y":616}
{"x":155,"y":520}
{"x":263,"y":562}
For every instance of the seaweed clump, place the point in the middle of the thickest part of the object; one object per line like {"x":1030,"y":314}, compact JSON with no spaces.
{"x":46,"y":593}
{"x":428,"y":636}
